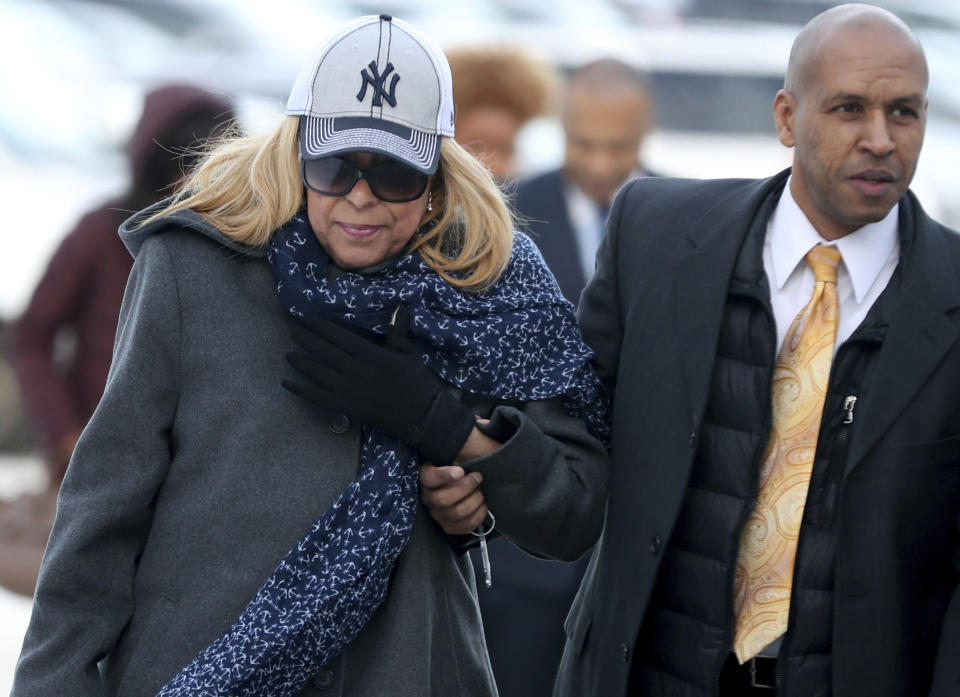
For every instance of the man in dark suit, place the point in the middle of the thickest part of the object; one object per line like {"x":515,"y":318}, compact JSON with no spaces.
{"x":606,"y":115}
{"x":785,"y":500}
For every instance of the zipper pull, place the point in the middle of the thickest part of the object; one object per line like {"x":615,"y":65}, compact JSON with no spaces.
{"x":849,"y":403}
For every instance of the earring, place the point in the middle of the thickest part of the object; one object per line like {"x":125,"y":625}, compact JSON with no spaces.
{"x":430,"y":202}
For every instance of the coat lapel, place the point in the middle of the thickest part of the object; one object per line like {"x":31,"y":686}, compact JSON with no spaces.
{"x":703,"y":278}
{"x":557,"y":240}
{"x":919,"y":334}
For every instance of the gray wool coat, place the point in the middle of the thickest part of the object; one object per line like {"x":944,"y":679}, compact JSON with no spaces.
{"x":198,"y":472}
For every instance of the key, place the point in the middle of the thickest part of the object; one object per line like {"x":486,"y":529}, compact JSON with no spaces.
{"x":485,"y":555}
{"x":482,"y":531}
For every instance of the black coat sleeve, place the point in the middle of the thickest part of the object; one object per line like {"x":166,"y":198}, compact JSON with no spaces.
{"x":547,"y":484}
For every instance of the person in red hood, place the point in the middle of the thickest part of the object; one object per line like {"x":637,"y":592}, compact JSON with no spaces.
{"x":75,"y":307}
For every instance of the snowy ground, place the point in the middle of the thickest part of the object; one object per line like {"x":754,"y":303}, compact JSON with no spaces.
{"x":18,"y":474}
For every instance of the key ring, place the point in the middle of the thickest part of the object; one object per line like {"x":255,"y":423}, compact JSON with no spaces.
{"x":484,"y":533}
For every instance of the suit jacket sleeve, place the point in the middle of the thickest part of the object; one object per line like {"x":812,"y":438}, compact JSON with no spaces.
{"x":85,"y":592}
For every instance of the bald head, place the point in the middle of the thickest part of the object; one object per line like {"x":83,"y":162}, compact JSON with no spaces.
{"x":854,"y":110}
{"x":608,"y":74}
{"x":835,"y":26}
{"x":606,"y":114}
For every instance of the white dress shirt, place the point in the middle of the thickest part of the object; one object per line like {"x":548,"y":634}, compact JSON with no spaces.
{"x":587,"y":223}
{"x":870,"y":255}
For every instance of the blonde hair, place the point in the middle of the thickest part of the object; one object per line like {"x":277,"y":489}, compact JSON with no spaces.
{"x":248,"y":186}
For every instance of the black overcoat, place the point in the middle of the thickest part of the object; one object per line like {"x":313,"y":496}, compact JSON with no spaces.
{"x":652,"y":312}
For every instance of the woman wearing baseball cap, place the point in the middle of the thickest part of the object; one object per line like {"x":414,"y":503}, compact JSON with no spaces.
{"x":332,"y":322}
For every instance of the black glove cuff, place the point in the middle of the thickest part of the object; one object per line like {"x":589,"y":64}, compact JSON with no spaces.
{"x":443,"y":429}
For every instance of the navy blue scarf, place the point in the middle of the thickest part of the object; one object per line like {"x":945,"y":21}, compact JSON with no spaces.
{"x":517,"y":340}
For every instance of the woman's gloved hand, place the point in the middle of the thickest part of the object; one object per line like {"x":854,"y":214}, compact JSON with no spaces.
{"x":386,"y":387}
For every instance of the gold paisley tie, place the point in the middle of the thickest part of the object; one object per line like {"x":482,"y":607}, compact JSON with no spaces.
{"x":768,"y":545}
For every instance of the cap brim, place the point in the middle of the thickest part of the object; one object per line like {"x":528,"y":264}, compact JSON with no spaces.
{"x":323,"y":137}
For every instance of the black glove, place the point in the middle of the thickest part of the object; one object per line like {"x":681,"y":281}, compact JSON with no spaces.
{"x":386,"y":387}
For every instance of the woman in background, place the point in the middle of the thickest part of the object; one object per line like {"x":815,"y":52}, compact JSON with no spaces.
{"x":498,"y":89}
{"x":61,"y":345}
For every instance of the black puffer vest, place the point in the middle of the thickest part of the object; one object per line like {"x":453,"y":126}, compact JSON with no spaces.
{"x":687,"y":632}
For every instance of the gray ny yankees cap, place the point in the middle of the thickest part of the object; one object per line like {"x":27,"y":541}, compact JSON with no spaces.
{"x":380,"y":85}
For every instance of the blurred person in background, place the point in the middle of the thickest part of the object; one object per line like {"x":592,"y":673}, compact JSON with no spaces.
{"x":784,"y":513}
{"x":61,"y":346}
{"x":606,"y":113}
{"x":497,"y":90}
{"x":15,"y":435}
{"x":332,"y":322}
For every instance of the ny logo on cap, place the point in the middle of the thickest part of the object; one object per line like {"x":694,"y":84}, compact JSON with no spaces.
{"x":376,"y":81}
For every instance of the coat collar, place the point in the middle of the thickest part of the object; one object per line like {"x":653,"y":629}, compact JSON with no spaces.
{"x":703,"y":275}
{"x":919,"y":331}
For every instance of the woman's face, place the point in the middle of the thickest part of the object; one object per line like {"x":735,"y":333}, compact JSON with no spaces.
{"x":358,"y":229}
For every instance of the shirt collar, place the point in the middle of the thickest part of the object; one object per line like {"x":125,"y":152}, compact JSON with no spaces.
{"x":575,"y":193}
{"x":580,"y":203}
{"x":864,"y":251}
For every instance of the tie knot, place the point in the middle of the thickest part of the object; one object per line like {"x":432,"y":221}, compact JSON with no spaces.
{"x":824,"y":261}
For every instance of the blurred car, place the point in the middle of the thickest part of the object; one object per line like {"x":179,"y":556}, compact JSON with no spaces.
{"x":76,"y":72}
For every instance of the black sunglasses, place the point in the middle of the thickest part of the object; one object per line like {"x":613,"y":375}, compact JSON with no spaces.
{"x":389,"y":181}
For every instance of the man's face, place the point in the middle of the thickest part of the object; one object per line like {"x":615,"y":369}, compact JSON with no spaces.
{"x":604,"y":131}
{"x":856,"y":122}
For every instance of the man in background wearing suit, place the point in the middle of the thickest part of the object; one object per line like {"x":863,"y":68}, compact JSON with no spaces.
{"x":784,"y":515}
{"x":606,"y":114}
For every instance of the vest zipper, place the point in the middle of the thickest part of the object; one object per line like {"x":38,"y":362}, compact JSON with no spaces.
{"x":849,"y":405}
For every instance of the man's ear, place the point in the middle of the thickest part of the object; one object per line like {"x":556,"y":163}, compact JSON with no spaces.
{"x":784,"y":110}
